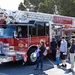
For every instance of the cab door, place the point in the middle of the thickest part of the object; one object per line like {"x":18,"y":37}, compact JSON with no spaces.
{"x":32,"y":35}
{"x":21,"y":41}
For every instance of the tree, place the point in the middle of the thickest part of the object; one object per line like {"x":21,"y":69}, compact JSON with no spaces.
{"x":36,"y":4}
{"x":26,"y":5}
{"x":45,"y":6}
{"x":67,"y":7}
{"x":21,"y":7}
{"x":62,"y":7}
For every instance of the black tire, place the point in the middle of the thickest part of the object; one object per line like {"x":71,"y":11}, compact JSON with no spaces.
{"x":29,"y":60}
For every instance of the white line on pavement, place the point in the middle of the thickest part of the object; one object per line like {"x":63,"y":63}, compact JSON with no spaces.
{"x":3,"y":74}
{"x":51,"y":62}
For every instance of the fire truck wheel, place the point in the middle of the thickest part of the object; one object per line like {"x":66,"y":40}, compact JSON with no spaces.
{"x":32,"y":56}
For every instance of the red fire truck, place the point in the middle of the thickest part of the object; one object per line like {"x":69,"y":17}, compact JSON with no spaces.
{"x":21,"y":31}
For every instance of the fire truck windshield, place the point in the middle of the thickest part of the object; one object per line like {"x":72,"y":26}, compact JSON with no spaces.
{"x":7,"y":32}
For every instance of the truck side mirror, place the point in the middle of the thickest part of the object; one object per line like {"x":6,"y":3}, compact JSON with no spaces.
{"x":15,"y":34}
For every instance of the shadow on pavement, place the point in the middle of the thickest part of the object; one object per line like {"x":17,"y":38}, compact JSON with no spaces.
{"x":39,"y":72}
{"x":16,"y":68}
{"x":69,"y":73}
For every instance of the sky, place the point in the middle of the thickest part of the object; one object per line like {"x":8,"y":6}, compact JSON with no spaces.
{"x":10,"y":4}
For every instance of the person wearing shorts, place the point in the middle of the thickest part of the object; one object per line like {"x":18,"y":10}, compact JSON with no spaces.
{"x":63,"y":51}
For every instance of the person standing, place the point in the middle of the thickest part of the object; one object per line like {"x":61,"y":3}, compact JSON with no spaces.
{"x":68,"y":50}
{"x":40,"y":57}
{"x":63,"y":51}
{"x":72,"y":55}
{"x":54,"y":46}
{"x":58,"y":58}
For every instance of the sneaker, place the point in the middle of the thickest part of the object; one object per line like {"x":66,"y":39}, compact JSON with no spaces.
{"x":58,"y":66}
{"x":63,"y":65}
{"x":70,"y":70}
{"x":23,"y":63}
{"x":36,"y":69}
{"x":41,"y":69}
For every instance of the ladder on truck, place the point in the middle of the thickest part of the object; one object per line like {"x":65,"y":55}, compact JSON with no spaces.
{"x":25,"y":16}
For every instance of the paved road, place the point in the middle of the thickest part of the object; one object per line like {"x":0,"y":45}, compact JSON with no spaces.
{"x":17,"y":68}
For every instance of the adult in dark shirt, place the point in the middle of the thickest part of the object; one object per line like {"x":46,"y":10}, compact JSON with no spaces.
{"x":40,"y":58}
{"x":72,"y":55}
{"x":59,"y":42}
{"x":68,"y":49}
{"x":68,"y":43}
{"x":54,"y":45}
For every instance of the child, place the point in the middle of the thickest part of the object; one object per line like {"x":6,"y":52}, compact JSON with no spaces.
{"x":58,"y":58}
{"x":37,"y":54}
{"x":37,"y":51}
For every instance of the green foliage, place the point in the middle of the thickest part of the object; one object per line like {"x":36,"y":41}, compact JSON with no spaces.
{"x":64,"y":7}
{"x":67,"y":7}
{"x":36,"y":3}
{"x":21,"y":7}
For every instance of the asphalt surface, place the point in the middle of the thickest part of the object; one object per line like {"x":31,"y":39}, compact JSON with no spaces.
{"x":50,"y":68}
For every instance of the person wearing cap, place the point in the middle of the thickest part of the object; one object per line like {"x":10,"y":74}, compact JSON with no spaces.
{"x":54,"y":46}
{"x":63,"y":51}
